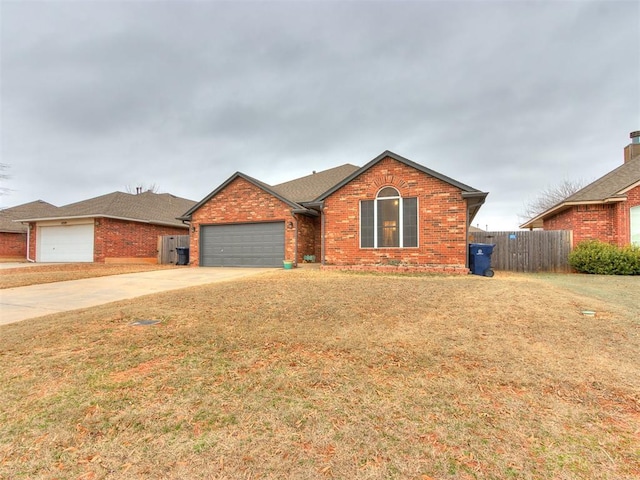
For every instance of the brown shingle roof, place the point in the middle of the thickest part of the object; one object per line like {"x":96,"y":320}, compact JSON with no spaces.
{"x":307,"y":189}
{"x":8,"y":215}
{"x":294,"y":192}
{"x":148,"y":207}
{"x":303,"y":192}
{"x":610,"y":187}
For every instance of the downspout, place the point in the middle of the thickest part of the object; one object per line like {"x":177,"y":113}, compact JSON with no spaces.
{"x":29,"y":243}
{"x":295,"y":248}
{"x":322,"y":228}
{"x":466,"y":247}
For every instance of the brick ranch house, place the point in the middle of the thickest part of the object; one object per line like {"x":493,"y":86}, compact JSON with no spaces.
{"x":13,"y":235}
{"x":391,"y":211}
{"x":114,"y":228}
{"x":607,"y":209}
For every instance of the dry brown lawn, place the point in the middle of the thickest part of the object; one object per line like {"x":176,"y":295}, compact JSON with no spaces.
{"x":33,"y":275}
{"x":308,"y":374}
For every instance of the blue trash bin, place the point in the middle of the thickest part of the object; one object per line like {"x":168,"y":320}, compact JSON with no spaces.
{"x":480,"y":259}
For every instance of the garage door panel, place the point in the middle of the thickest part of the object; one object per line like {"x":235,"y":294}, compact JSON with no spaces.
{"x":65,"y":243}
{"x":243,"y":245}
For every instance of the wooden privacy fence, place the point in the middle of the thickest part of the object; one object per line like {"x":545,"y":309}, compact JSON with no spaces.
{"x":167,"y":247}
{"x":528,"y":250}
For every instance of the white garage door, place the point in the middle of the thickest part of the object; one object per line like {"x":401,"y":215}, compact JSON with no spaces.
{"x":65,"y":243}
{"x":635,"y":225}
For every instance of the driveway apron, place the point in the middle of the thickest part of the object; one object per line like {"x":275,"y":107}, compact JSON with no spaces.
{"x":21,"y":303}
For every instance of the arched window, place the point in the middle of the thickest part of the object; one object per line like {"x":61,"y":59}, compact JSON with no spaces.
{"x":389,"y":221}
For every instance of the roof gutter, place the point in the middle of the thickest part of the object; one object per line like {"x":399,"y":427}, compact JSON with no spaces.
{"x":79,"y":217}
{"x":305,"y":211}
{"x":474,"y":201}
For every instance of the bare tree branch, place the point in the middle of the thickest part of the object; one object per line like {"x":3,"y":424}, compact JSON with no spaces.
{"x":3,"y":177}
{"x":550,"y":197}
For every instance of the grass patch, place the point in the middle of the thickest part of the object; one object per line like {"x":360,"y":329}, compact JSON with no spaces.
{"x":308,"y":374}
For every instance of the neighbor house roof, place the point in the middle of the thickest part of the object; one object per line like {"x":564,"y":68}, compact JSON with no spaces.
{"x":9,"y":215}
{"x":612,"y":187}
{"x":146,"y":207}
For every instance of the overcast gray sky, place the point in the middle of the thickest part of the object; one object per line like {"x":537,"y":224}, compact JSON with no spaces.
{"x":508,"y":97}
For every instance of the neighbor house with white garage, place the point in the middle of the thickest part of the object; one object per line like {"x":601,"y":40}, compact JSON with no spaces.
{"x":114,"y":228}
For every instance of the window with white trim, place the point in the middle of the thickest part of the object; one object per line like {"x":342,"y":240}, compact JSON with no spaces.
{"x":634,"y":215}
{"x":389,"y":221}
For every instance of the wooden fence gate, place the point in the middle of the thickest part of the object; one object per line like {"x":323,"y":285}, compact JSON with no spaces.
{"x":528,"y":250}
{"x":167,"y":247}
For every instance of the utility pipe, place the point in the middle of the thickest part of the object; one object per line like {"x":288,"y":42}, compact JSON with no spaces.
{"x":295,"y":258}
{"x":29,"y":243}
{"x":322,"y":232}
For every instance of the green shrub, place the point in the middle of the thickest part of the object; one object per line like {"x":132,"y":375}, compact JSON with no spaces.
{"x":602,"y":258}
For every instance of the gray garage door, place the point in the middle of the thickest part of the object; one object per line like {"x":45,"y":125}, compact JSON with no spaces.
{"x":242,"y":245}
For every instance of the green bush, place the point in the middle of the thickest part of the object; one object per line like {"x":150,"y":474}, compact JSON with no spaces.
{"x":602,"y":258}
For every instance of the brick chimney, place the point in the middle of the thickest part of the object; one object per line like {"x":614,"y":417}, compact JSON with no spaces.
{"x":633,"y":149}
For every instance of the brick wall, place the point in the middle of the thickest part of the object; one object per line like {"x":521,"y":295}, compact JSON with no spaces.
{"x":241,"y":202}
{"x":308,"y":237}
{"x":123,"y":241}
{"x":441,"y":219}
{"x":13,"y":245}
{"x":588,"y":222}
{"x":32,"y":241}
{"x":609,"y":222}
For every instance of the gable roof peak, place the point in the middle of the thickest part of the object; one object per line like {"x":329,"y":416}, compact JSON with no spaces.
{"x":389,"y":154}
{"x":267,"y":188}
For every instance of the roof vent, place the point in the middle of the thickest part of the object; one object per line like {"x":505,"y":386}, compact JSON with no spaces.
{"x":635,"y":136}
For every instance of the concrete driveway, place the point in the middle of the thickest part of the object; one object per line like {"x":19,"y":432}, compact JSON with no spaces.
{"x":21,"y":303}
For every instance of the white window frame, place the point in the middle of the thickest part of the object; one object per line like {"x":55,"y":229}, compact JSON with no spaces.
{"x":400,"y":220}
